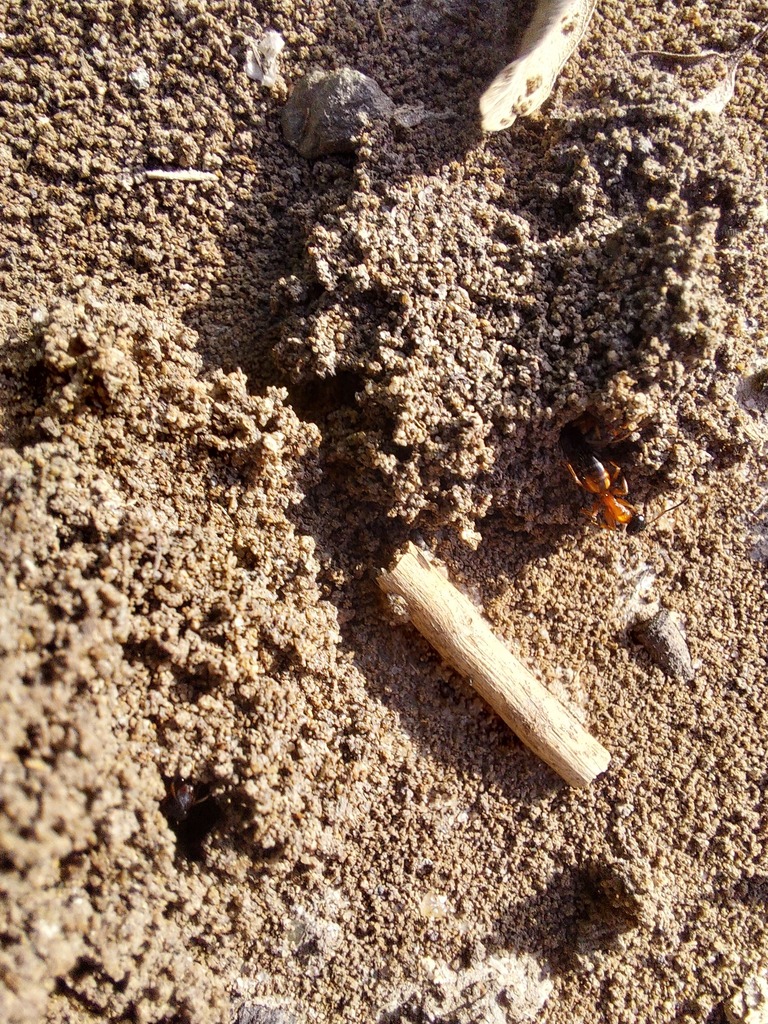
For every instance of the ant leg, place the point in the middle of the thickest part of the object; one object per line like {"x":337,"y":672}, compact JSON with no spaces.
{"x":622,"y":433}
{"x":593,"y":512}
{"x":618,"y":483}
{"x":576,"y":479}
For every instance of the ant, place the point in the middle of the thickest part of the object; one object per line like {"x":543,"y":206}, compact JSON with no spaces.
{"x":192,"y":812}
{"x":179,"y":801}
{"x":610,"y":508}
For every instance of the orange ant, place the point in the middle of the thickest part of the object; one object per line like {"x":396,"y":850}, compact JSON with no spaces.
{"x":610,"y":508}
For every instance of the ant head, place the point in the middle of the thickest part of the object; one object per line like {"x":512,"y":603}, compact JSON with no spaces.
{"x":179,"y":802}
{"x":636,"y":524}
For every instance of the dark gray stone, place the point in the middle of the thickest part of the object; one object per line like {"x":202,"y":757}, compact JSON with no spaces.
{"x":327,"y":111}
{"x":661,"y":637}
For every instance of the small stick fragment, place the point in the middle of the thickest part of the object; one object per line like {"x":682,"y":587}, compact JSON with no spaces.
{"x":380,"y":21}
{"x":457,"y":630}
{"x":175,"y":175}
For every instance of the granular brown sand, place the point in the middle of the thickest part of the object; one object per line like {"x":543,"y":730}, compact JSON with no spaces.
{"x":226,"y":404}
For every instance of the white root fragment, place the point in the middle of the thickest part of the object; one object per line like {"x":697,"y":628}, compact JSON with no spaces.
{"x":178,"y":175}
{"x":457,"y":630}
{"x":521,"y":88}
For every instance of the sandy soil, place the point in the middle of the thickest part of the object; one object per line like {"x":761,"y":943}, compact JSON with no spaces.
{"x":224,"y":407}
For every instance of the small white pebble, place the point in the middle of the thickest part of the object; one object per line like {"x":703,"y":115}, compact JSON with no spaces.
{"x":139,"y":79}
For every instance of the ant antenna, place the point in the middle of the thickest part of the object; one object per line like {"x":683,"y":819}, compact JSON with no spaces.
{"x":666,"y":510}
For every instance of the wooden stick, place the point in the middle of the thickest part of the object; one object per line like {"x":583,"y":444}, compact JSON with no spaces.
{"x":455,"y":628}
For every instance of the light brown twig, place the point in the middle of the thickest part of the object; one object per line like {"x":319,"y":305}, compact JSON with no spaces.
{"x":457,"y":630}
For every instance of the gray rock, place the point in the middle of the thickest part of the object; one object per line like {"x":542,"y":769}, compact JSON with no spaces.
{"x":259,"y":1013}
{"x":327,"y":111}
{"x":662,"y":638}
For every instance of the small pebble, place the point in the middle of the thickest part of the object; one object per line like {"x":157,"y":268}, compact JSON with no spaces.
{"x":662,"y":638}
{"x":327,"y":111}
{"x":139,"y":79}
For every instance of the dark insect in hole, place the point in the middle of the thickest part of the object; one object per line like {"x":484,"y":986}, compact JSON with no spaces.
{"x":192,"y":812}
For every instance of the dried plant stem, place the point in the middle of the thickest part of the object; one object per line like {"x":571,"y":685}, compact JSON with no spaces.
{"x":454,"y":627}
